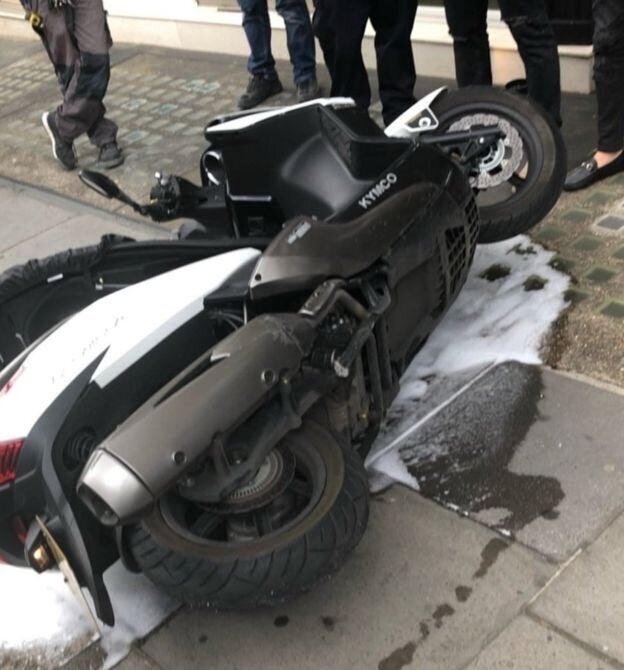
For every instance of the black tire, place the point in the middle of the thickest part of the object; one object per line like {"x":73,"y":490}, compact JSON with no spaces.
{"x":543,"y":153}
{"x":276,"y":566}
{"x":38,"y":295}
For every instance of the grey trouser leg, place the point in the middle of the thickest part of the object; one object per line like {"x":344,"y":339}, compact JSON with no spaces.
{"x":78,"y":42}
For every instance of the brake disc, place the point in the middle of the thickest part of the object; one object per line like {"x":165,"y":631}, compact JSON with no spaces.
{"x":503,"y":160}
{"x":269,"y":482}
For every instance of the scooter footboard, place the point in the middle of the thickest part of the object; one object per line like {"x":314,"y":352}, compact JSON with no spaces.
{"x":199,"y":408}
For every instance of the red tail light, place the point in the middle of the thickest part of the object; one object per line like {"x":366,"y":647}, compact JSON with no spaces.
{"x":9,"y":453}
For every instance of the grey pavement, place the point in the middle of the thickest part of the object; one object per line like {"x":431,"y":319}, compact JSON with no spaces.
{"x":528,"y":579}
{"x":36,"y":223}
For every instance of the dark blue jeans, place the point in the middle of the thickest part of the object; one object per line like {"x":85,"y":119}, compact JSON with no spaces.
{"x":299,"y":37}
{"x":531,"y":29}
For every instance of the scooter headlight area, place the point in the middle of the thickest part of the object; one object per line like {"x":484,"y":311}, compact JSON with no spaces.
{"x":201,"y":407}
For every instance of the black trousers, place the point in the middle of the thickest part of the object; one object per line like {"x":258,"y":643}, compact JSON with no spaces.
{"x":77,"y":40}
{"x":609,"y":72}
{"x":339,"y":26}
{"x":530,"y":27}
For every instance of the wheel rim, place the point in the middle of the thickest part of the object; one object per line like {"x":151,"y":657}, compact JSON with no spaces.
{"x":280,"y":498}
{"x":513,"y":165}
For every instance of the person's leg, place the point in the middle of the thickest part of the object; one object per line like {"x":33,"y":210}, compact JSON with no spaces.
{"x":83,"y":108}
{"x":537,"y":45}
{"x":609,"y":77}
{"x":609,"y":74}
{"x":257,"y":27}
{"x":350,"y":78}
{"x":264,"y":81}
{"x":65,"y":59}
{"x":467,"y":22}
{"x":323,"y":27}
{"x":299,"y":38}
{"x":393,"y":21}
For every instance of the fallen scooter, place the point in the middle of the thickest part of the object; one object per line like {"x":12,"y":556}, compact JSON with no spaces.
{"x":201,"y":407}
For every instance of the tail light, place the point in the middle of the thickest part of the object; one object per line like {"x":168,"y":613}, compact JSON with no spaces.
{"x":9,"y":453}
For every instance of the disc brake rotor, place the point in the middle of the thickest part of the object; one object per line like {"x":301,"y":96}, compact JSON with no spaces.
{"x":503,"y":160}
{"x":270,"y":481}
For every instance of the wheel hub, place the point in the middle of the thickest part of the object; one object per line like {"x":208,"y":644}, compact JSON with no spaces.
{"x":503,"y":160}
{"x":269,"y":482}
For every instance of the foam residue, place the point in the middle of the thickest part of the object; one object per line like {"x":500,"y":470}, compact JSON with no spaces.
{"x":41,"y":622}
{"x":492,"y":321}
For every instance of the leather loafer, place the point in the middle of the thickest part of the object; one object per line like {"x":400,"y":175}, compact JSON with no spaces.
{"x":589,"y":173}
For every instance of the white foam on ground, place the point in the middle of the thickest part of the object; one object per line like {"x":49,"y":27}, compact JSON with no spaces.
{"x":490,"y":322}
{"x":40,"y":620}
{"x":38,"y":615}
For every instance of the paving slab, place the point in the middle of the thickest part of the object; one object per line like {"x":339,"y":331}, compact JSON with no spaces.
{"x":587,"y":600}
{"x":529,"y":452}
{"x":79,"y":231}
{"x":137,"y":660}
{"x":526,"y":645}
{"x":425,"y":586}
{"x":577,"y":440}
{"x":35,"y":224}
{"x":22,"y":217}
{"x":12,"y":49}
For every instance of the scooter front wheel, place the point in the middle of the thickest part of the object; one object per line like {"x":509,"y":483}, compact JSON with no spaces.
{"x":38,"y":295}
{"x":521,"y":178}
{"x":294,"y":523}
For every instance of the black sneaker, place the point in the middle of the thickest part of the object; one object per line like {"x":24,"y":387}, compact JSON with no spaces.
{"x":110,"y":156}
{"x":63,"y":151}
{"x":307,"y":90}
{"x":258,"y":90}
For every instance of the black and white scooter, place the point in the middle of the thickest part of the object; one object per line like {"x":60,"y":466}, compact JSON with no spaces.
{"x":201,"y":407}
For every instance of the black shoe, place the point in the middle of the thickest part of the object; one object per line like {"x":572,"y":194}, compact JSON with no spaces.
{"x":63,"y":151}
{"x":589,"y":173}
{"x":258,"y":90}
{"x":110,"y":156}
{"x":307,"y":90}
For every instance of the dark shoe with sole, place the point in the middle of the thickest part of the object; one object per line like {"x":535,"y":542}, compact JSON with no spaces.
{"x":307,"y":90}
{"x":110,"y":156}
{"x":258,"y":90}
{"x":63,"y":151}
{"x":589,"y":173}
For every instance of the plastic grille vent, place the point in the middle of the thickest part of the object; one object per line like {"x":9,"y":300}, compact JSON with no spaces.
{"x":9,"y":452}
{"x":456,"y":244}
{"x":455,"y":256}
{"x":441,"y":290}
{"x":472,"y":217}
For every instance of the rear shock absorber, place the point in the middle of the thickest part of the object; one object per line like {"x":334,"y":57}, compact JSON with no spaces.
{"x":78,"y":449}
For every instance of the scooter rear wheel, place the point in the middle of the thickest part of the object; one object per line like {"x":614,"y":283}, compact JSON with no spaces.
{"x":293,"y":524}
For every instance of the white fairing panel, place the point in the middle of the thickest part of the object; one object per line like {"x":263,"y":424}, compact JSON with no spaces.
{"x":252,"y":119}
{"x":126,"y":325}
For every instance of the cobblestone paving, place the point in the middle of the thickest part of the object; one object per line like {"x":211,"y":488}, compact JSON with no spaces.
{"x":586,"y":229}
{"x":160,"y":100}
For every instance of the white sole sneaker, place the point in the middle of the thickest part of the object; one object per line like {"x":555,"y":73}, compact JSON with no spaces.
{"x":45,"y":120}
